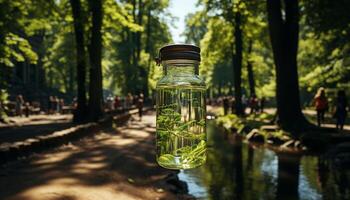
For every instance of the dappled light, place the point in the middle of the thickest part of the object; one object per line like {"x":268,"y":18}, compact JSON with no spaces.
{"x":99,"y":166}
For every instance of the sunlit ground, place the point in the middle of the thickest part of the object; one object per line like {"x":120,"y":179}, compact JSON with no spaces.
{"x":114,"y":164}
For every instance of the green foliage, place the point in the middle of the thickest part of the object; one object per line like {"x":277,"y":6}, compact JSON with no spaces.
{"x":18,"y":49}
{"x":129,"y":64}
{"x":230,"y":121}
{"x":60,"y":62}
{"x":3,"y":100}
{"x":12,"y":21}
{"x":196,"y":27}
{"x":40,"y":33}
{"x":261,"y":117}
{"x":213,"y":29}
{"x":324,"y":44}
{"x":323,"y":56}
{"x":216,"y":45}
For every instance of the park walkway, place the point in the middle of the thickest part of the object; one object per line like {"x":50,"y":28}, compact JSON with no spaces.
{"x":22,"y":128}
{"x":116,"y":163}
{"x":312,"y":116}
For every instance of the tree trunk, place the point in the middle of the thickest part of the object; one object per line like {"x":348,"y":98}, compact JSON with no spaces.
{"x":251,"y":79}
{"x":138,"y":34}
{"x":80,"y":113}
{"x":95,"y":53}
{"x":237,"y":63}
{"x":284,"y":40}
{"x":148,"y":49}
{"x":71,"y":81}
{"x":134,"y":36}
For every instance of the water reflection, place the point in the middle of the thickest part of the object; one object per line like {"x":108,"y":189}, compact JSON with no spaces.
{"x":288,"y":176}
{"x":236,"y":170}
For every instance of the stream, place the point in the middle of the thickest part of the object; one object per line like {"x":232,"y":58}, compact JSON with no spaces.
{"x":238,"y":170}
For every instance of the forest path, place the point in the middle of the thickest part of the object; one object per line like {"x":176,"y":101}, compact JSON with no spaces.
{"x":23,"y":128}
{"x":312,"y":116}
{"x":117,"y":163}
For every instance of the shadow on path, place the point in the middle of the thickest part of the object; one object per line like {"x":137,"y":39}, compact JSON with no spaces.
{"x":114,"y":164}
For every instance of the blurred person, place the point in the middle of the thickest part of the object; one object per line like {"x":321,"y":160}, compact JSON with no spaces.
{"x":139,"y":105}
{"x":116,"y":102}
{"x":75,"y":103}
{"x":253,"y":103}
{"x":225,"y":102}
{"x":53,"y":105}
{"x":110,"y":103}
{"x":56,"y":104}
{"x":233,"y":104}
{"x":128,"y":100}
{"x":27,"y":109}
{"x":135,"y":100}
{"x":262,"y":104}
{"x":61,"y":105}
{"x":49,"y":105}
{"x":244,"y":103}
{"x":19,"y":105}
{"x":123,"y":102}
{"x":321,"y":105}
{"x":2,"y":110}
{"x":341,"y":109}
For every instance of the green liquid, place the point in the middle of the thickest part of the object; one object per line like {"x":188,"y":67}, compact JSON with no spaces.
{"x":181,"y":125}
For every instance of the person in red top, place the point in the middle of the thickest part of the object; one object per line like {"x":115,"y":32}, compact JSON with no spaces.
{"x":321,"y":105}
{"x":116,"y":103}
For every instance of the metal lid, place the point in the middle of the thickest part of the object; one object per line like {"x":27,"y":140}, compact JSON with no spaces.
{"x":179,"y":51}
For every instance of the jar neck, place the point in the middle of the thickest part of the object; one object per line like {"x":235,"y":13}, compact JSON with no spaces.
{"x":180,"y":67}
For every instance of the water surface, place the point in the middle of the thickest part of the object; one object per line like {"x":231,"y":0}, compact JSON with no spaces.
{"x":237,"y":170}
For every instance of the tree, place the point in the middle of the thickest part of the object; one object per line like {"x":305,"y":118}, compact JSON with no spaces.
{"x":196,"y":27}
{"x":231,"y":11}
{"x":284,"y":39}
{"x":324,"y":43}
{"x":237,"y":60}
{"x":131,"y":74}
{"x":14,"y":45}
{"x":251,"y":79}
{"x":95,"y":55}
{"x":81,"y":111}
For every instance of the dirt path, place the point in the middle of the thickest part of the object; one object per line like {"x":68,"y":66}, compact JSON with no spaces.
{"x":311,"y":115}
{"x":36,"y":120}
{"x":37,"y":125}
{"x":114,"y":164}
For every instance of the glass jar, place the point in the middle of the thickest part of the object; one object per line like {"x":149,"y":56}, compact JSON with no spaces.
{"x":181,"y":109}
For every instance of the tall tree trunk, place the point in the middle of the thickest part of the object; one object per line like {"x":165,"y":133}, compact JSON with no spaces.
{"x":148,"y":48}
{"x":138,"y":34}
{"x":134,"y":36}
{"x":71,"y":80}
{"x":251,"y":79}
{"x":80,"y":113}
{"x":237,"y":63}
{"x":95,"y":54}
{"x":284,"y":40}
